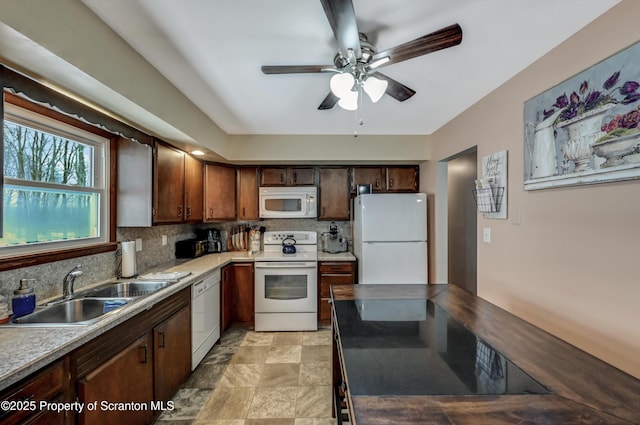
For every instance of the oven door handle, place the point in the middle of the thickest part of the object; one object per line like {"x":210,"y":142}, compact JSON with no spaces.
{"x":286,"y":264}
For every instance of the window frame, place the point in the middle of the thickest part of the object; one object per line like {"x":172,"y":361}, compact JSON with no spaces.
{"x":57,"y":251}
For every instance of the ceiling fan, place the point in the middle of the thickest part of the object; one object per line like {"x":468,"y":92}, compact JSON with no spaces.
{"x":357,"y":62}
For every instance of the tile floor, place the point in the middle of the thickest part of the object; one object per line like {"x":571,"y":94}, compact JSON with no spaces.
{"x":259,"y":378}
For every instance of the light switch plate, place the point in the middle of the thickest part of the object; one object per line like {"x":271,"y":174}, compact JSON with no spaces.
{"x":486,"y":235}
{"x":138,"y":244}
{"x":164,"y":240}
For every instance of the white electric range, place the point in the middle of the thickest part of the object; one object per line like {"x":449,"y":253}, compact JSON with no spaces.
{"x":286,"y":288}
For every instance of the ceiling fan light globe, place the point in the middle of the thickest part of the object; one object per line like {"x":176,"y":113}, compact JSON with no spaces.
{"x":341,"y":84}
{"x":349,"y":101}
{"x":375,"y":88}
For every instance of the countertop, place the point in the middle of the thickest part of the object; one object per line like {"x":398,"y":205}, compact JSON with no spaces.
{"x":575,"y":387}
{"x":25,"y":350}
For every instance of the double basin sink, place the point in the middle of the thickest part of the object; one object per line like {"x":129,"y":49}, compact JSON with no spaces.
{"x":87,"y":307}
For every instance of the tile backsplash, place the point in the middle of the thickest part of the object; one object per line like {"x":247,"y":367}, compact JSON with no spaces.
{"x":101,"y":267}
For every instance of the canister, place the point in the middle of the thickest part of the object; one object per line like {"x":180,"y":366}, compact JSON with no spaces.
{"x":24,"y":299}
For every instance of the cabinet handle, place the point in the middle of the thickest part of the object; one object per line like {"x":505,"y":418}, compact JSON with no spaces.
{"x":281,"y":178}
{"x":295,"y":177}
{"x":210,"y":212}
{"x":144,"y":352}
{"x":179,"y":210}
{"x":377,"y":183}
{"x":188,"y":210}
{"x":390,"y":183}
{"x":161,"y":343}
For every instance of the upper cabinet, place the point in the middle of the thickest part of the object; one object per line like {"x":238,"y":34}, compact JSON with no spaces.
{"x":248,"y":193}
{"x":334,"y":193}
{"x":288,"y":176}
{"x":386,"y":179}
{"x":219,"y":192}
{"x":168,"y":200}
{"x":177,"y":186}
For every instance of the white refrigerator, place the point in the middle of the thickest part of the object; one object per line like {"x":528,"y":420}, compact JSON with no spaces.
{"x":390,"y":238}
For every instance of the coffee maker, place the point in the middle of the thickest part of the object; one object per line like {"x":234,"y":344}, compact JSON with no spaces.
{"x":213,"y":238}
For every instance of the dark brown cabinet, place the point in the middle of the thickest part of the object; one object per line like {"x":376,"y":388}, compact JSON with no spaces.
{"x":171,"y":362}
{"x":287,"y":176}
{"x":193,"y":199}
{"x":334,"y":193}
{"x":219,"y":192}
{"x":177,"y":186}
{"x":50,"y":384}
{"x":332,"y":273}
{"x":128,"y":376}
{"x":168,"y":200}
{"x":402,"y":179}
{"x":248,"y":193}
{"x":237,"y":295}
{"x":386,"y":179}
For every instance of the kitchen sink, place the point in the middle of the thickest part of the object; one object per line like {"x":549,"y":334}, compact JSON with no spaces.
{"x":81,"y":311}
{"x":126,"y":289}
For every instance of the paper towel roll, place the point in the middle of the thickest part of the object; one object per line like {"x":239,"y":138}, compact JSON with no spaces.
{"x":128,"y":259}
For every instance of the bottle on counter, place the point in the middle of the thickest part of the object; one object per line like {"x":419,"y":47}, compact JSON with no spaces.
{"x":4,"y":309}
{"x":24,"y":299}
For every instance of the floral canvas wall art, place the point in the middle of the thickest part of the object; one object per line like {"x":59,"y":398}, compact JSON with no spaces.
{"x":587,"y":128}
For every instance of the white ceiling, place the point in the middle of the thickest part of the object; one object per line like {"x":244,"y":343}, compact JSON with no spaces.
{"x":212,"y":51}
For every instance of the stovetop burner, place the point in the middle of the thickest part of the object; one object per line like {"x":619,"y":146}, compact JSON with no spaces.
{"x":306,"y":246}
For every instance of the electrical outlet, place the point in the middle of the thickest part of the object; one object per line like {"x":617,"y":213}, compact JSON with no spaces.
{"x":138,"y":244}
{"x":164,"y":240}
{"x":486,"y":235}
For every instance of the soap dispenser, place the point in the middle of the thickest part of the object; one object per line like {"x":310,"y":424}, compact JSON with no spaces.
{"x":24,"y":300}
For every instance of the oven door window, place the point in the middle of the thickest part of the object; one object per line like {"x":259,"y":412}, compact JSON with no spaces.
{"x":285,"y":287}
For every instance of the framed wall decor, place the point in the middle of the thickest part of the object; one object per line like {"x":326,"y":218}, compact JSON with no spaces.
{"x":586,"y":129}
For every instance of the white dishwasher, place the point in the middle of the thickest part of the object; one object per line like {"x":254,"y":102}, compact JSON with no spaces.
{"x":205,"y":316}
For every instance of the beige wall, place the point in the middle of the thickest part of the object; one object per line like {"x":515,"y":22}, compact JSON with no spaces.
{"x":570,"y":266}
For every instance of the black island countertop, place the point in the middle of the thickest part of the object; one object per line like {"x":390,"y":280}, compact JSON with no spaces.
{"x":436,"y":354}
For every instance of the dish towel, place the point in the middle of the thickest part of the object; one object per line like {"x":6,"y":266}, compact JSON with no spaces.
{"x":111,"y":305}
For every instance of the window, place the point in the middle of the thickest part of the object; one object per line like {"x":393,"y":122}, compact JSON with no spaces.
{"x":55,"y":185}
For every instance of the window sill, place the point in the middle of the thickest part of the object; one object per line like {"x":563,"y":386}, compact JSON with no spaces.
{"x":28,"y":260}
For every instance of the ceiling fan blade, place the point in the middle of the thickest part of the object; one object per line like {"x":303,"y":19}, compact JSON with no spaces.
{"x":438,"y":40}
{"x":342,"y":19}
{"x":396,"y":90}
{"x":296,"y":69}
{"x":329,"y":102}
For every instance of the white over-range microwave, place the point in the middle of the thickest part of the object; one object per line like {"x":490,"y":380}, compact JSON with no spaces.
{"x":288,"y":202}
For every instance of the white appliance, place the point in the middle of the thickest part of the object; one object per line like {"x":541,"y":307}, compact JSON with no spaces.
{"x":286,"y":285}
{"x":288,"y":202}
{"x":205,"y":316}
{"x":390,"y":238}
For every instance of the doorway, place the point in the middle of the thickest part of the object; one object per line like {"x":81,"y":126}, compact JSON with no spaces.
{"x":462,"y":171}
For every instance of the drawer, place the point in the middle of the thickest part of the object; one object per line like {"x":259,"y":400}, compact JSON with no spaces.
{"x":336,"y":267}
{"x":326,"y":280}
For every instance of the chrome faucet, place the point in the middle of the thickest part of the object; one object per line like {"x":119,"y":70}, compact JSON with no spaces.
{"x":69,"y":279}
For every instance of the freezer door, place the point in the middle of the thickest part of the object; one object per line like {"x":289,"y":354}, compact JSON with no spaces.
{"x":390,"y":262}
{"x":391,"y":217}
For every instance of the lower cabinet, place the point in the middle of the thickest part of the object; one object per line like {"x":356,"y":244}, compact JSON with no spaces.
{"x":332,"y":273}
{"x":237,"y":295}
{"x":49,"y":384}
{"x":127,"y":377}
{"x":142,"y":361}
{"x":171,"y":361}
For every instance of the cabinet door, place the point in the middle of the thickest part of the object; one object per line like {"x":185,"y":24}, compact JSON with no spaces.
{"x":128,"y":376}
{"x":302,"y":176}
{"x":334,"y":194}
{"x":172,"y":354}
{"x":375,"y":176}
{"x":193,"y":198}
{"x":243,"y":292}
{"x":226,"y":298}
{"x":273,"y":176}
{"x":402,"y":179}
{"x":219,"y":193}
{"x":248,"y":193}
{"x":168,"y":185}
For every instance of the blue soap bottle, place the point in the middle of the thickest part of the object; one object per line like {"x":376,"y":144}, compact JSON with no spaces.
{"x":24,"y":299}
